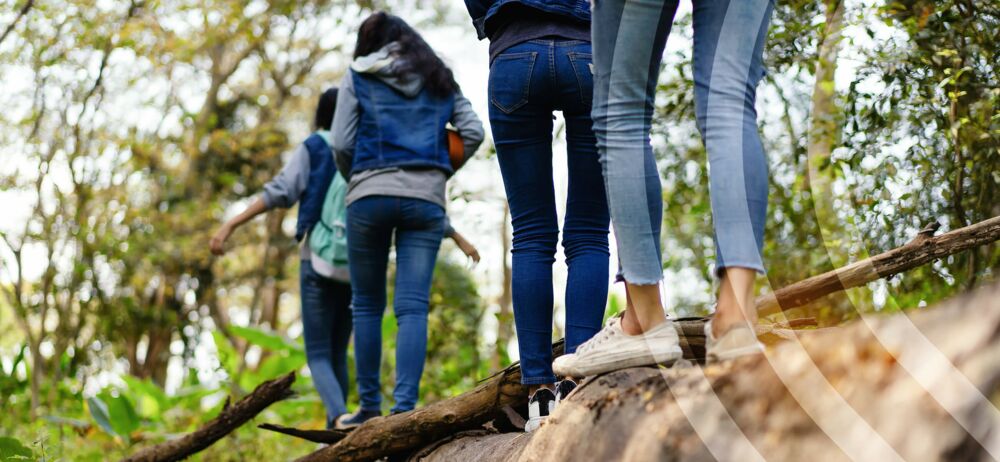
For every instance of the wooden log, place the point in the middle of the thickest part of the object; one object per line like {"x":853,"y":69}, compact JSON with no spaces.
{"x":231,"y":418}
{"x":409,"y":431}
{"x":914,"y":386}
{"x":922,"y":250}
{"x":403,"y":433}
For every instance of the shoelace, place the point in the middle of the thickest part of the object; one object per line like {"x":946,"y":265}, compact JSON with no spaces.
{"x":606,"y":333}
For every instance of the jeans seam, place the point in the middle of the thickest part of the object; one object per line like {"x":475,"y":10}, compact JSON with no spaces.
{"x":573,"y":55}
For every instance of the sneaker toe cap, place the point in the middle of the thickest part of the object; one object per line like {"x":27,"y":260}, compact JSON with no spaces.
{"x":563,"y":365}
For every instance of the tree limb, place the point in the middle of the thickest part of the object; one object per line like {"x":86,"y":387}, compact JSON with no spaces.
{"x":920,"y":251}
{"x":231,"y":418}
{"x":20,"y":14}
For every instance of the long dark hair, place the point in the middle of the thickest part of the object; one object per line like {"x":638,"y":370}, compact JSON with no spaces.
{"x":325,"y":109}
{"x":381,"y":28}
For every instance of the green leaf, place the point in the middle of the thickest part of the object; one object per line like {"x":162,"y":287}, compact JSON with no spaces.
{"x":124,"y":420}
{"x":99,"y":411}
{"x":228,"y":358}
{"x":280,"y":364}
{"x":150,"y":400}
{"x":12,"y":449}
{"x":265,"y":340}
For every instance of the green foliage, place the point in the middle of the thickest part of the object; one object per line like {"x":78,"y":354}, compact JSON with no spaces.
{"x":12,"y":450}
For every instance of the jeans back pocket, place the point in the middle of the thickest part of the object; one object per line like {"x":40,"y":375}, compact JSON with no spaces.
{"x":510,"y":79}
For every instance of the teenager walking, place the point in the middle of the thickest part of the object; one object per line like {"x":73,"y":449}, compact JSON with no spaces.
{"x":390,"y":139}
{"x":629,"y":37}
{"x":326,"y":298}
{"x":540,"y":59}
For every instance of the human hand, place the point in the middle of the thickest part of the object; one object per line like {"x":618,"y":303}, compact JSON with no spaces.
{"x":218,"y":241}
{"x":469,"y":249}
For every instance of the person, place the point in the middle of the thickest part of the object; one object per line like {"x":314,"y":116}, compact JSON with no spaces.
{"x":540,"y":58}
{"x":326,"y":313}
{"x":390,"y":139}
{"x":629,"y":37}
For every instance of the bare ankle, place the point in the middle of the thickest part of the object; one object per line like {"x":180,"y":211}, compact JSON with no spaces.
{"x":533,"y":388}
{"x":645,"y":309}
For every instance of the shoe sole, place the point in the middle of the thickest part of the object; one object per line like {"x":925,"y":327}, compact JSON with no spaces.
{"x":619,"y":362}
{"x":735,"y":353}
{"x":533,"y":424}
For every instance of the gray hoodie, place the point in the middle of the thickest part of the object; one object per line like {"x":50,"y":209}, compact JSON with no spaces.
{"x":425,"y":184}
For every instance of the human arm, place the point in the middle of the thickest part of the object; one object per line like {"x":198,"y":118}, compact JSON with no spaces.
{"x":477,"y":11}
{"x":345,"y":127}
{"x":282,"y":191}
{"x":467,"y":248}
{"x":218,"y":241}
{"x":468,"y":125}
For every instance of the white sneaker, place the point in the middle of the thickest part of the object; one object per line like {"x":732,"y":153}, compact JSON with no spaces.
{"x":612,"y":349}
{"x":737,"y":341}
{"x":541,"y":404}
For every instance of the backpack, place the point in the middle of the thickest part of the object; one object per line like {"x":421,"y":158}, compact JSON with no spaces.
{"x":328,"y":239}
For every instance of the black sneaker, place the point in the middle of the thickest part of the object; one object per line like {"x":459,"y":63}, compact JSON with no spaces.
{"x":540,"y":405}
{"x":563,"y":389}
{"x":351,"y":421}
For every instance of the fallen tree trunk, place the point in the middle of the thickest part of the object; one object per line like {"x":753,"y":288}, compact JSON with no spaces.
{"x":407,"y":432}
{"x":402,"y":433}
{"x":230,"y":418}
{"x":922,"y":250}
{"x":914,"y":386}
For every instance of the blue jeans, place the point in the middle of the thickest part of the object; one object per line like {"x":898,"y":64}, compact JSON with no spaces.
{"x":326,"y":325}
{"x":629,"y":36}
{"x":527,"y":83}
{"x":418,"y":227}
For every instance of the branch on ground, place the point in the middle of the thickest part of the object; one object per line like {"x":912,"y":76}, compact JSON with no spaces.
{"x":231,"y":418}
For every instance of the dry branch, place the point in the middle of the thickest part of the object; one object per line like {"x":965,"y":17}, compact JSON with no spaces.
{"x":231,"y":418}
{"x":913,"y":386}
{"x":316,"y":436}
{"x":922,"y":250}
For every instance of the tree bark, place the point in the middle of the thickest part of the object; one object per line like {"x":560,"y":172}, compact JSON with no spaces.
{"x":913,"y":386}
{"x":922,"y":250}
{"x":402,"y":433}
{"x":231,"y":418}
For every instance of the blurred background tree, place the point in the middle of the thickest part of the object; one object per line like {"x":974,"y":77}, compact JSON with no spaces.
{"x":132,"y":128}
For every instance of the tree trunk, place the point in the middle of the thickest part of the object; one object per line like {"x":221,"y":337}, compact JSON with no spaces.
{"x":906,"y":387}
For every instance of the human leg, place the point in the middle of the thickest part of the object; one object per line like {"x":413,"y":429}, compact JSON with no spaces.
{"x":418,"y":239}
{"x":728,"y":45}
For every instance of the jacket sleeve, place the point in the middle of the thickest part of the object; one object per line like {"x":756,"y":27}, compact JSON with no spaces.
{"x":469,"y":127}
{"x":345,"y":127}
{"x":477,"y":10}
{"x":286,"y":187}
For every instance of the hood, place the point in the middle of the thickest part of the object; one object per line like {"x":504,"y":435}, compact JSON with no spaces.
{"x":386,"y":64}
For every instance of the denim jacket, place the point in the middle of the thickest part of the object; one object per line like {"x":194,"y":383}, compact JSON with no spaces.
{"x":482,"y":11}
{"x":400,"y":130}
